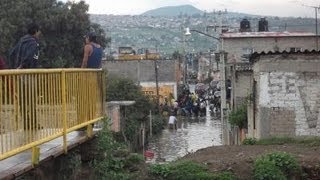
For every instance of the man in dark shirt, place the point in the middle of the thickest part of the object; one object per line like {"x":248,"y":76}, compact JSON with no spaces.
{"x":25,"y":55}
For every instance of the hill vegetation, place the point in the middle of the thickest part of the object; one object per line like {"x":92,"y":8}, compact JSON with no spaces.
{"x":173,"y":11}
{"x":163,"y":29}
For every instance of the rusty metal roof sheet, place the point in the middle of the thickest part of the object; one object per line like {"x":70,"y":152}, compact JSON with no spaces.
{"x":266,"y":34}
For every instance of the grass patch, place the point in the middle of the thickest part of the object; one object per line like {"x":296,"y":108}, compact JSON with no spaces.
{"x":249,"y":141}
{"x":303,"y":140}
{"x":186,"y":170}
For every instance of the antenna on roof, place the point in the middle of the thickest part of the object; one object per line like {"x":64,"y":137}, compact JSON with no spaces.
{"x":316,"y":9}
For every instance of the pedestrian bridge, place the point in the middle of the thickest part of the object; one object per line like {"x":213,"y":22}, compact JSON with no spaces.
{"x":42,"y":111}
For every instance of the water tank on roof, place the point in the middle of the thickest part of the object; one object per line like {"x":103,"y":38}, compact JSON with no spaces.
{"x":245,"y":25}
{"x":263,"y":25}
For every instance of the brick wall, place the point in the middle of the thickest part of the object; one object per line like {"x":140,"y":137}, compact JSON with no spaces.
{"x":288,"y":94}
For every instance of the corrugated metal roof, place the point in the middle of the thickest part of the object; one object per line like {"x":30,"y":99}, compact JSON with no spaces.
{"x":257,"y":54}
{"x":266,"y":34}
{"x":286,"y":52}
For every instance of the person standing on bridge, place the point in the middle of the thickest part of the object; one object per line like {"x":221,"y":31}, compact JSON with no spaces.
{"x":92,"y":55}
{"x":25,"y":55}
{"x":92,"y":58}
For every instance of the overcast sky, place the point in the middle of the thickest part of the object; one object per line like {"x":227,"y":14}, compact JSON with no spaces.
{"x":258,"y":7}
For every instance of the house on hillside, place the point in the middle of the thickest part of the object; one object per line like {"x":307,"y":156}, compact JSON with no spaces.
{"x":286,"y":94}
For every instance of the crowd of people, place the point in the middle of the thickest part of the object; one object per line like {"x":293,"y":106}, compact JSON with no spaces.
{"x":192,"y":103}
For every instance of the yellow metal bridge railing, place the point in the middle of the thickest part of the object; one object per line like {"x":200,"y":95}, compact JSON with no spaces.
{"x":40,"y":105}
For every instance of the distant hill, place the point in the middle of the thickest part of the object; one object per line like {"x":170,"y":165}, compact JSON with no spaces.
{"x":173,"y":11}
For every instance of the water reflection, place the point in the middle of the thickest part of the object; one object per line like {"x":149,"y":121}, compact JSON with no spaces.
{"x":192,"y":134}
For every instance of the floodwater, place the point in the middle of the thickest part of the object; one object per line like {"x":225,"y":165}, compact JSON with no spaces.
{"x":192,"y":134}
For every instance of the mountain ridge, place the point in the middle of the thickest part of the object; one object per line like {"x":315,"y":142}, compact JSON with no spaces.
{"x":173,"y":11}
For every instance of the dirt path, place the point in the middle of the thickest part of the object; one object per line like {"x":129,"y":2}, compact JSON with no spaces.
{"x":239,"y":159}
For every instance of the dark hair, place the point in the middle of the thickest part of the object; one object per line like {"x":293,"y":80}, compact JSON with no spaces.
{"x":33,"y":28}
{"x":92,"y":37}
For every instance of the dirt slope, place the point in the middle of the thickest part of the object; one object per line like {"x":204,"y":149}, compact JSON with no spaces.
{"x":239,"y":159}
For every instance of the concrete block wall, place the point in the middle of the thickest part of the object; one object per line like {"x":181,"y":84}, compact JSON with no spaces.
{"x":288,"y":95}
{"x":282,"y":122}
{"x":143,"y":70}
{"x":236,"y":47}
{"x":242,"y":87}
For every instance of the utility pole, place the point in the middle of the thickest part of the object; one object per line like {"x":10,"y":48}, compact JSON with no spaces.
{"x":210,"y":64}
{"x":184,"y":60}
{"x":157,"y":83}
{"x":316,"y":14}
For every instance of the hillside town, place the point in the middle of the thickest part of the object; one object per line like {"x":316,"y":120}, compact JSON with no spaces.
{"x":165,"y":32}
{"x":173,"y":93}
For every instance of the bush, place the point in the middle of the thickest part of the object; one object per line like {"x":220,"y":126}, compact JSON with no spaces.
{"x":158,"y":124}
{"x":277,"y":165}
{"x":249,"y":141}
{"x":134,"y":159}
{"x":161,"y":170}
{"x":238,"y":117}
{"x":264,"y":169}
{"x":183,"y":169}
{"x":285,"y":162}
{"x":111,"y":159}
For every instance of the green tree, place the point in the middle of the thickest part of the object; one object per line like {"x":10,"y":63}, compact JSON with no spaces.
{"x":120,"y":89}
{"x":176,"y":55}
{"x":63,"y":26}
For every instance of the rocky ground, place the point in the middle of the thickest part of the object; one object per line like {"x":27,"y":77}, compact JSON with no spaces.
{"x":239,"y":159}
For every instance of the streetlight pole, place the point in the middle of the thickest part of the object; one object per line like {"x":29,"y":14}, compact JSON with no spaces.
{"x":185,"y":69}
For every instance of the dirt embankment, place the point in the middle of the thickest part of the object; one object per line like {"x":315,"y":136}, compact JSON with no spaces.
{"x":239,"y":159}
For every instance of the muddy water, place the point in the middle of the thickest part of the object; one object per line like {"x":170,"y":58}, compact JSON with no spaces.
{"x":192,"y":134}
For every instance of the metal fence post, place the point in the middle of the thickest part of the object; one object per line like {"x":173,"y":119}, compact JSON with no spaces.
{"x":35,"y":155}
{"x":64,"y":109}
{"x":150,"y":118}
{"x":104,"y":91}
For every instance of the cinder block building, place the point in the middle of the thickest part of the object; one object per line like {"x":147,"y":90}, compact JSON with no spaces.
{"x":286,"y":94}
{"x":239,"y":47}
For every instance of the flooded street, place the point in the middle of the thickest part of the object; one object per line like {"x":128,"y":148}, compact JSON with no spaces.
{"x":192,"y":134}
